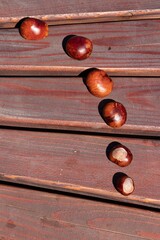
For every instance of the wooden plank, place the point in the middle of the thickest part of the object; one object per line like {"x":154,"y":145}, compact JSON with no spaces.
{"x":78,"y":163}
{"x":66,"y":104}
{"x":75,"y":11}
{"x":120,"y":48}
{"x":27,"y":214}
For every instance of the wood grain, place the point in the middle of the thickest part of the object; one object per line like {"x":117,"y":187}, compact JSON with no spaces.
{"x":66,"y":104}
{"x":75,"y":11}
{"x":26,"y":214}
{"x":120,"y":48}
{"x":78,"y":163}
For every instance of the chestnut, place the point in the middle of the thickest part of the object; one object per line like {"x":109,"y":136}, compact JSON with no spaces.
{"x":78,"y":47}
{"x":123,"y":184}
{"x":114,"y":114}
{"x":99,"y":83}
{"x":120,"y":155}
{"x":33,"y":29}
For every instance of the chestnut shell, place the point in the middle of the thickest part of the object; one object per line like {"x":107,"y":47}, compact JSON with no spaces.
{"x":123,"y":184}
{"x":99,"y":83}
{"x":33,"y":29}
{"x":78,"y":47}
{"x":114,"y":114}
{"x":120,"y":155}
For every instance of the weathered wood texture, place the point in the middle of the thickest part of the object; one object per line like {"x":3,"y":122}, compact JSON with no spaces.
{"x":65,"y":103}
{"x":78,"y":163}
{"x":120,"y":48}
{"x":75,"y":11}
{"x":27,"y":215}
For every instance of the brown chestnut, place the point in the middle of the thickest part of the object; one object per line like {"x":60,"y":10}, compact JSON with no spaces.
{"x":99,"y":83}
{"x":120,"y":155}
{"x":78,"y":47}
{"x":33,"y":29}
{"x":114,"y":114}
{"x":123,"y":184}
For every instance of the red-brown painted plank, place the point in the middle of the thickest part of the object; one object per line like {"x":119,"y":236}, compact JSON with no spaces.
{"x":75,"y":11}
{"x":78,"y":163}
{"x":65,"y":103}
{"x":27,"y":214}
{"x":120,"y":48}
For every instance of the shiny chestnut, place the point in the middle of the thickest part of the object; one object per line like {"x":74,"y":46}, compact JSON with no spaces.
{"x":78,"y":47}
{"x":99,"y":83}
{"x":124,"y":184}
{"x":33,"y":29}
{"x":120,"y":155}
{"x":114,"y":114}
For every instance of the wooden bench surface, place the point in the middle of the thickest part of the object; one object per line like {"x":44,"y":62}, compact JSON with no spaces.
{"x":129,"y":48}
{"x":55,"y":177}
{"x":30,"y":214}
{"x":78,"y":163}
{"x":65,"y":103}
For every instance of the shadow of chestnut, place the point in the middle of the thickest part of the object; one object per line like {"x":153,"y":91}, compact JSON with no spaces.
{"x":101,"y":106}
{"x":110,"y":147}
{"x":18,"y":24}
{"x":64,"y":42}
